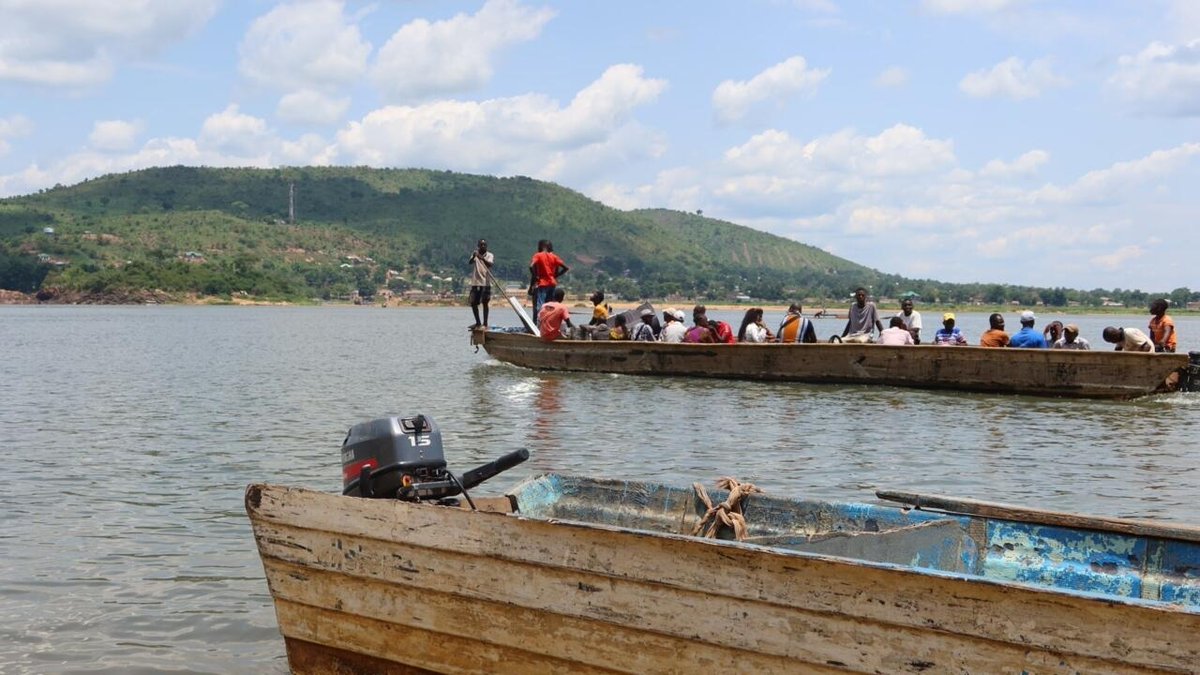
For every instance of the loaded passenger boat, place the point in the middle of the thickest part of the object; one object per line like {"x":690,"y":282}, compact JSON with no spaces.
{"x":568,"y":573}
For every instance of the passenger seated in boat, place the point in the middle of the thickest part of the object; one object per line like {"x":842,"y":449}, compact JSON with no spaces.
{"x":700,"y":332}
{"x":864,"y":318}
{"x":722,"y":331}
{"x":995,"y":336}
{"x":1162,"y":328}
{"x":599,"y":310}
{"x":753,"y":329}
{"x":644,"y":331}
{"x":948,"y":334}
{"x":1128,"y":339}
{"x":1070,"y":339}
{"x":1052,"y":332}
{"x":896,"y":333}
{"x":619,"y":330}
{"x":553,"y":315}
{"x":1027,"y":337}
{"x":796,"y":328}
{"x":673,"y":328}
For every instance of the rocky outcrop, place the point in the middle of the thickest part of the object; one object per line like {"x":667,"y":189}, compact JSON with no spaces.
{"x":15,"y":298}
{"x":59,"y":296}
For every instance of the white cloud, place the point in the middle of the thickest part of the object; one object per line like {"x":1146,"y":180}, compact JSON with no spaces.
{"x":819,"y":6}
{"x":528,"y":134}
{"x":423,"y":60}
{"x":1025,"y":165}
{"x":1011,"y":78}
{"x":970,"y":6}
{"x":733,"y":99}
{"x":892,"y":76}
{"x":1120,"y":257}
{"x":1122,"y":177}
{"x":114,"y":135}
{"x":304,"y":45}
{"x":78,"y":43}
{"x":15,"y":126}
{"x":1162,"y":79}
{"x":312,"y":108}
{"x":233,"y":132}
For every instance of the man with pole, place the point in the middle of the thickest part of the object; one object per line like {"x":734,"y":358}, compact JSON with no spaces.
{"x":481,"y":262}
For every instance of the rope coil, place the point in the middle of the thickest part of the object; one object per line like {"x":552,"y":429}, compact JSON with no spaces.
{"x":728,"y":512}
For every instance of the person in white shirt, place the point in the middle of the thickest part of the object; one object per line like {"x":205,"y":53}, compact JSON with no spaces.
{"x":1070,"y":339}
{"x":896,"y":333}
{"x":911,"y":318}
{"x":753,"y":329}
{"x":673,"y":328}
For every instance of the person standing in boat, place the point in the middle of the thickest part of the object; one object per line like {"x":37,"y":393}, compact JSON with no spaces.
{"x":864,"y":319}
{"x":1070,"y":339}
{"x":1027,"y":337}
{"x":544,"y":269}
{"x":911,"y":318}
{"x":795,"y":327}
{"x":995,"y":335}
{"x":481,"y":262}
{"x":1162,"y":327}
{"x":949,"y":335}
{"x":553,"y":315}
{"x":1128,"y":339}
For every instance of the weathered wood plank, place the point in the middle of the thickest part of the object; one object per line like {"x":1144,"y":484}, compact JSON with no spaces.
{"x":310,"y":658}
{"x":509,"y":625}
{"x":1031,"y":618}
{"x":1039,"y":372}
{"x":412,"y":646}
{"x":972,"y":507}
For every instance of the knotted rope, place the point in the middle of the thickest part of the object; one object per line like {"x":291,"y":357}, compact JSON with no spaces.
{"x":728,"y":512}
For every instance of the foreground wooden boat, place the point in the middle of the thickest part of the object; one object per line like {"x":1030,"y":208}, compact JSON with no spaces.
{"x":601,"y":576}
{"x":1037,"y":372}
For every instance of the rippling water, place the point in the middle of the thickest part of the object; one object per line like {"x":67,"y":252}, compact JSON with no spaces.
{"x":132,"y":432}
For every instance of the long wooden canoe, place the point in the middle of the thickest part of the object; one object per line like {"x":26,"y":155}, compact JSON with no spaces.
{"x":591,"y":576}
{"x":1038,"y":372}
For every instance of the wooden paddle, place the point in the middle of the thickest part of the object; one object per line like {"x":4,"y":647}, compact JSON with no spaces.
{"x":529,"y":323}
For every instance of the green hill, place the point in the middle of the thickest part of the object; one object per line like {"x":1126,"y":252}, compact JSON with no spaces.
{"x":220,"y":231}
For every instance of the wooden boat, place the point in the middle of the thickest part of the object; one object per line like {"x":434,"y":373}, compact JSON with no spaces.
{"x":1037,"y":372}
{"x":595,"y":576}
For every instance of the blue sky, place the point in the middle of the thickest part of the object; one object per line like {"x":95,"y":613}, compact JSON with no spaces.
{"x":1014,"y":141}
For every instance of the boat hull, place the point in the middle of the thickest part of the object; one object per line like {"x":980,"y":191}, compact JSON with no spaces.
{"x":385,"y":586}
{"x":1036,"y":372}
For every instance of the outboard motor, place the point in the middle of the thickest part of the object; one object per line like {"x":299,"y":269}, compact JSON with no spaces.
{"x":1191,"y":374}
{"x":402,"y":458}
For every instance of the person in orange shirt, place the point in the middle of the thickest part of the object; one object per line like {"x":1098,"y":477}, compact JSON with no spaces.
{"x":553,"y":315}
{"x":995,"y":336}
{"x":544,"y":269}
{"x":1162,"y":328}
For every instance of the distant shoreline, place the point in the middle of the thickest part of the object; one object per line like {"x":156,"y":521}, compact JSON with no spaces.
{"x":132,"y":298}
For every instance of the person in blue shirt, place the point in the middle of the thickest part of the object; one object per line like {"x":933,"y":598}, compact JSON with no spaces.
{"x":1027,"y":337}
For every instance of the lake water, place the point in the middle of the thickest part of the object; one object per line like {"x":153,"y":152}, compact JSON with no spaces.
{"x":131,"y":433}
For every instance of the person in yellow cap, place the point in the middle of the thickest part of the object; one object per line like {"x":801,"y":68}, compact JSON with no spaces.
{"x":995,"y":335}
{"x":949,"y":334}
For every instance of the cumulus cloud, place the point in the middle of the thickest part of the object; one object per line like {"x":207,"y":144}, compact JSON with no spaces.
{"x":234,"y":132}
{"x":1025,"y":165}
{"x":78,"y":43}
{"x":522,"y":134}
{"x":304,"y":45}
{"x":732,"y":99}
{"x":892,"y":76}
{"x":970,"y":6}
{"x":1162,"y":79}
{"x":1012,"y":78}
{"x":114,"y":135}
{"x":427,"y":59}
{"x":1105,"y":184}
{"x":312,"y":108}
{"x":15,"y":126}
{"x":1120,"y":257}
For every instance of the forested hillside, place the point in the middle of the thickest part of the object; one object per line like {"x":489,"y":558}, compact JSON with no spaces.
{"x":203,"y":231}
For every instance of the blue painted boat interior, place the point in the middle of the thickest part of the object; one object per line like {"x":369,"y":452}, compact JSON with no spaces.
{"x":1102,"y":563}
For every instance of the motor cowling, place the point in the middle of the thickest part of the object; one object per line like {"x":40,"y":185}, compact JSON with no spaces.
{"x":389,"y":455}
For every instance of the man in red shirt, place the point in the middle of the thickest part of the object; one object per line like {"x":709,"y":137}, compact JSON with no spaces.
{"x":553,"y":315}
{"x":544,"y":269}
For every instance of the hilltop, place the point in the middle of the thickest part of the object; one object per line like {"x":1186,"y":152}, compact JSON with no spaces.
{"x":227,"y":231}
